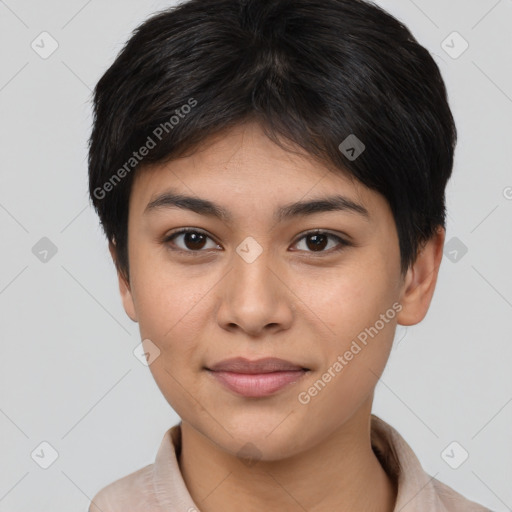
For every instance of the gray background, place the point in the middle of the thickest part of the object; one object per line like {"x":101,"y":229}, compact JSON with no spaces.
{"x":68,"y":375}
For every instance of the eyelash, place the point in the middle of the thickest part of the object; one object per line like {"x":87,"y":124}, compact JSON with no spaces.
{"x":342,"y":242}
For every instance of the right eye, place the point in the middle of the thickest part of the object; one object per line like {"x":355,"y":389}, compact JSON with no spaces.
{"x":193,"y":240}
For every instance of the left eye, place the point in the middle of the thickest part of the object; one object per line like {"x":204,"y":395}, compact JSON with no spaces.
{"x":318,"y":240}
{"x":195,"y":240}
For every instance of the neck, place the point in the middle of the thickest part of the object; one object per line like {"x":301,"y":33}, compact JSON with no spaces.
{"x":340,"y":473}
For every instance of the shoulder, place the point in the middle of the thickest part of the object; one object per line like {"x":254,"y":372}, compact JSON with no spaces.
{"x":150,"y":488}
{"x":403,"y":466}
{"x":452,"y":501}
{"x":134,"y":489}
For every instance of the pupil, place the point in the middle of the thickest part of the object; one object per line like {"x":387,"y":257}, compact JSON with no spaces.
{"x":191,"y":240}
{"x":317,"y":245}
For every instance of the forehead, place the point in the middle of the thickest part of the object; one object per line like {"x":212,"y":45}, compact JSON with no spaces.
{"x":242,"y":165}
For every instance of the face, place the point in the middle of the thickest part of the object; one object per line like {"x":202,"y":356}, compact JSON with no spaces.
{"x":304,"y":286}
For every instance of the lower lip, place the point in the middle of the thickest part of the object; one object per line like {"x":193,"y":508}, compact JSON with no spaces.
{"x":257,"y":385}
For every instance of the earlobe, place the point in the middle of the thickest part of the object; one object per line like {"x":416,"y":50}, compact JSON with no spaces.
{"x":420,"y":280}
{"x":124,"y":287}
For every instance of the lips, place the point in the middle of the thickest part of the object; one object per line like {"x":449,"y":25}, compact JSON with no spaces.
{"x":256,"y":379}
{"x":265,"y":365}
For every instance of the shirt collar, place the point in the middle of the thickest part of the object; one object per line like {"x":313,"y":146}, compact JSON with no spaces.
{"x":415,"y":489}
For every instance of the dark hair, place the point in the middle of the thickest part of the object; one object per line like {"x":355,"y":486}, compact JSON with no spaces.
{"x":311,"y":72}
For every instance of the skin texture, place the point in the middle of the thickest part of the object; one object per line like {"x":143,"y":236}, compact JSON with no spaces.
{"x":293,"y":302}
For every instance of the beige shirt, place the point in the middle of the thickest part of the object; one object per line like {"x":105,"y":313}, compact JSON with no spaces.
{"x":159,"y":487}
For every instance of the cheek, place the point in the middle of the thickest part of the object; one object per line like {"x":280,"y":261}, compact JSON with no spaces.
{"x":171,"y":312}
{"x":174,"y":308}
{"x":355,"y":309}
{"x":160,"y":291}
{"x":343,"y":301}
{"x":169,"y":307}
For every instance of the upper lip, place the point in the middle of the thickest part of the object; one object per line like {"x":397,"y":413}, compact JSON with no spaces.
{"x":265,"y":365}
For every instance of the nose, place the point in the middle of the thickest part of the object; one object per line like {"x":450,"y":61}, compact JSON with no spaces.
{"x":255,"y":297}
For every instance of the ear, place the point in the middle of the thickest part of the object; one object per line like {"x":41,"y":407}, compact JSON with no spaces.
{"x":420,"y":280}
{"x":124,"y":287}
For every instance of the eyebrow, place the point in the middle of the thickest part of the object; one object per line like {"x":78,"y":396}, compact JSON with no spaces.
{"x":201,"y":206}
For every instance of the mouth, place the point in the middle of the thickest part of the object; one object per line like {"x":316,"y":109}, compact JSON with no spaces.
{"x":256,"y":379}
